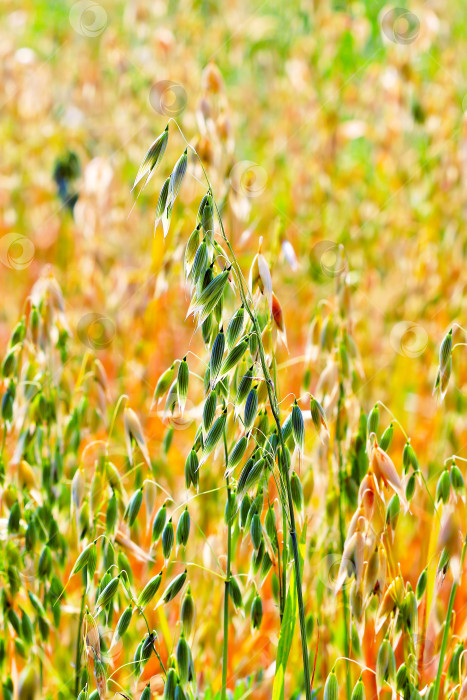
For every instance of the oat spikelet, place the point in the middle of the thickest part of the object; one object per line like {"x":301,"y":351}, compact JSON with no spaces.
{"x":278,"y":317}
{"x":260,"y":276}
{"x":352,"y":560}
{"x":392,"y":598}
{"x":152,"y":158}
{"x":385,"y":471}
{"x":134,"y":430}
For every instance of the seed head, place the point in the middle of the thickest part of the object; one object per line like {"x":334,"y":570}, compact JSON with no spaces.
{"x":45,"y":563}
{"x":443,"y":487}
{"x":168,"y":539}
{"x":206,"y":215}
{"x":174,"y":587}
{"x":170,"y":684}
{"x":256,"y":531}
{"x":298,"y":427}
{"x":445,"y":351}
{"x":373,"y":420}
{"x":190,"y":250}
{"x":152,"y":158}
{"x":235,"y":593}
{"x":183,"y":659}
{"x":200,"y":263}
{"x":159,"y":523}
{"x":251,"y":408}
{"x":162,"y":205}
{"x":163,"y":384}
{"x":256,"y":612}
{"x":108,"y":593}
{"x":146,"y":694}
{"x":250,"y":475}
{"x":385,"y":664}
{"x":183,"y":528}
{"x":237,"y":452}
{"x":149,"y":591}
{"x":191,"y":469}
{"x":297,"y":492}
{"x":244,"y":387}
{"x":133,"y":430}
{"x":134,"y":506}
{"x":187,"y":613}
{"x":244,"y":510}
{"x":421,"y":584}
{"x":358,"y":692}
{"x":176,"y":178}
{"x":457,"y":480}
{"x":209,"y":410}
{"x":183,"y":378}
{"x":235,"y":327}
{"x":331,"y":687}
{"x":123,"y":624}
{"x":233,"y":357}
{"x":214,"y":435}
{"x":386,"y":439}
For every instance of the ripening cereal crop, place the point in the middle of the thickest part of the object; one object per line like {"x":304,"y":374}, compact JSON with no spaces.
{"x":233,"y":394}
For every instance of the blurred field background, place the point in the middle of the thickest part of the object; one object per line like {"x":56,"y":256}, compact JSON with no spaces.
{"x":343,"y":129}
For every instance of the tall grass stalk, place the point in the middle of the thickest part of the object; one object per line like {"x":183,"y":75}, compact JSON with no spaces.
{"x":273,"y":402}
{"x":342,"y":537}
{"x":79,"y":633}
{"x":247,"y":301}
{"x":225,"y":644}
{"x":447,"y":626}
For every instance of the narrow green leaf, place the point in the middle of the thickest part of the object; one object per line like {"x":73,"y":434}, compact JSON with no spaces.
{"x":287,"y":629}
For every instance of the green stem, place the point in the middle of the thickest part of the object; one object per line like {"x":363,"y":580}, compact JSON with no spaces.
{"x":342,"y":539}
{"x":78,"y":645}
{"x":225,"y":645}
{"x":447,"y":625}
{"x":283,"y":573}
{"x":2,"y":464}
{"x":298,"y":579}
{"x":284,"y":563}
{"x":3,"y":439}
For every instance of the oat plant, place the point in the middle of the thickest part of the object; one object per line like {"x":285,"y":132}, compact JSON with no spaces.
{"x":240,"y":392}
